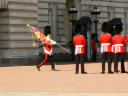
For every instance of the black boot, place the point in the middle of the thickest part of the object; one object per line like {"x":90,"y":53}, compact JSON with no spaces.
{"x":38,"y":68}
{"x":110,"y":72}
{"x":123,"y":71}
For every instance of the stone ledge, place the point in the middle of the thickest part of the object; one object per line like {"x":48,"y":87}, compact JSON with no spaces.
{"x":28,"y":61}
{"x":60,"y":57}
{"x":6,"y":62}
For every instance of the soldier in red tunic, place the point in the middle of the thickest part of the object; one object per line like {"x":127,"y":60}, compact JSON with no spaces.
{"x":48,"y":48}
{"x":79,"y":43}
{"x":118,"y":44}
{"x":105,"y":41}
{"x":127,"y":42}
{"x":94,"y":47}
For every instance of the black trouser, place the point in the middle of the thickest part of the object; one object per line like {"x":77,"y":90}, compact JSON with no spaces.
{"x":52,"y":61}
{"x":108,"y":56}
{"x":80,"y":58}
{"x":94,"y":56}
{"x":116,"y":58}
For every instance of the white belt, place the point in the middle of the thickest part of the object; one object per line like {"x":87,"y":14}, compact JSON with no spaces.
{"x":118,"y":45}
{"x":105,"y":44}
{"x":78,"y":46}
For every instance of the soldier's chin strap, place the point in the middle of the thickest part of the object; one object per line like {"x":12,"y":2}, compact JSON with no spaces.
{"x":46,"y":56}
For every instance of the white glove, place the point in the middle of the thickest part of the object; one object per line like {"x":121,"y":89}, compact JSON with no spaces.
{"x":48,"y":38}
{"x":54,"y":42}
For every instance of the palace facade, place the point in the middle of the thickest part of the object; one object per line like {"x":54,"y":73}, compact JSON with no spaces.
{"x":16,"y":39}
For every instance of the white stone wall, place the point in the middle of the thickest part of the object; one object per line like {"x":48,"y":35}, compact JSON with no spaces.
{"x":109,"y":9}
{"x":52,"y":12}
{"x":3,"y":4}
{"x":16,"y":38}
{"x":14,"y":35}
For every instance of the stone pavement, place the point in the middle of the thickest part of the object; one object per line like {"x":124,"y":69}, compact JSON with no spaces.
{"x":27,"y":81}
{"x":63,"y":94}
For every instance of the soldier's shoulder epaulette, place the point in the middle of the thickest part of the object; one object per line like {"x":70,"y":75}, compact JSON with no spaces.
{"x":81,"y":35}
{"x":122,"y":35}
{"x":109,"y":34}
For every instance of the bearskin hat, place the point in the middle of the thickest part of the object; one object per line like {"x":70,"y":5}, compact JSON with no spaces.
{"x":47,"y":30}
{"x":118,"y":28}
{"x":78,"y":28}
{"x":105,"y":27}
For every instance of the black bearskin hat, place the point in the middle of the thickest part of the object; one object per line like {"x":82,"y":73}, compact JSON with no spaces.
{"x":93,"y":36}
{"x":47,"y":30}
{"x":105,"y":27}
{"x":118,"y":28}
{"x":78,"y":28}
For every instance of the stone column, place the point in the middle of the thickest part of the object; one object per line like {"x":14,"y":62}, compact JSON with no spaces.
{"x":67,"y":24}
{"x":111,"y":13}
{"x":93,"y":25}
{"x":53,"y":20}
{"x":125,"y":20}
{"x":54,"y":26}
{"x":79,"y":8}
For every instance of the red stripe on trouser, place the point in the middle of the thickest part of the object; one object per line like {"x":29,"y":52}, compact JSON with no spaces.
{"x":43,"y":61}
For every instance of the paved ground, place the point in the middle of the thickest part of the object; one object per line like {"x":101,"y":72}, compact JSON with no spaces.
{"x":27,"y":81}
{"x":63,"y":94}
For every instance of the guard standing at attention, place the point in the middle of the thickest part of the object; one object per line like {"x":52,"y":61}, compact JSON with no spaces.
{"x":79,"y":43}
{"x":118,"y":44}
{"x":127,"y":42}
{"x":94,"y":47}
{"x":105,"y":41}
{"x":48,"y":48}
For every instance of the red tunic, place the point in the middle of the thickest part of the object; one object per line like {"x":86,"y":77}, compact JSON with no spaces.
{"x":94,"y":46}
{"x":127,"y":41}
{"x":118,"y":44}
{"x":80,"y":43}
{"x":127,"y":38}
{"x":105,"y":41}
{"x":48,"y":48}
